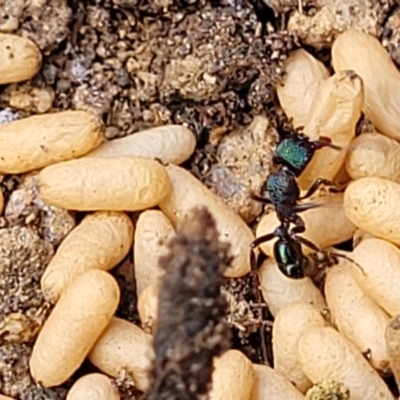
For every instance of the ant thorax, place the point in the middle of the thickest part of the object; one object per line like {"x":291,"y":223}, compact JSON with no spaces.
{"x":282,"y":188}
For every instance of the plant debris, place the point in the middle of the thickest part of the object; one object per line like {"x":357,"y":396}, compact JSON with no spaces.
{"x":191,"y":327}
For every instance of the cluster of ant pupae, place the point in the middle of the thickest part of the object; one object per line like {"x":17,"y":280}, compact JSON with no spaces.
{"x":291,"y":156}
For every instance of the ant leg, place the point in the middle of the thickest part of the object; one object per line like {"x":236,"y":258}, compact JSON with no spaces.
{"x":262,"y":239}
{"x":304,"y":207}
{"x":339,"y":255}
{"x":299,"y":227}
{"x":307,"y":243}
{"x":324,"y":141}
{"x":314,"y":187}
{"x":261,"y":199}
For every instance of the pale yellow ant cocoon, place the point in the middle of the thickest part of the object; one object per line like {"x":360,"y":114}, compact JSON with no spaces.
{"x":147,"y":306}
{"x":379,"y":275}
{"x":280,"y":291}
{"x":20,"y":59}
{"x":364,"y":54}
{"x":169,"y":143}
{"x":290,"y":323}
{"x":188,"y":193}
{"x":372,"y":204}
{"x":271,"y":385}
{"x":324,"y":353}
{"x":104,"y":184}
{"x":334,"y":114}
{"x":303,"y":75}
{"x":124,"y":346}
{"x":41,"y":140}
{"x":93,"y":387}
{"x":153,"y":233}
{"x":356,"y":315}
{"x":233,"y":377}
{"x":373,"y":154}
{"x":73,"y":327}
{"x":100,"y":241}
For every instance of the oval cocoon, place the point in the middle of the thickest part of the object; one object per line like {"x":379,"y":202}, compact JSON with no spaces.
{"x":318,"y":230}
{"x":290,"y":323}
{"x":147,"y":306}
{"x":380,"y":275}
{"x":41,"y":140}
{"x":153,"y":232}
{"x":100,"y":241}
{"x":124,"y":345}
{"x":334,"y":113}
{"x":304,"y":74}
{"x":279,"y":291}
{"x":170,"y":144}
{"x":325,"y":354}
{"x":372,"y":154}
{"x":381,"y":78}
{"x":20,"y":59}
{"x":272,"y":386}
{"x":372,"y":204}
{"x":93,"y":387}
{"x":187,"y":193}
{"x":233,"y":377}
{"x":356,"y":315}
{"x":109,"y":184}
{"x":76,"y":322}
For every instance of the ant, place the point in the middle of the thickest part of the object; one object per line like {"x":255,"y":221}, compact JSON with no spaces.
{"x":289,"y":256}
{"x":292,"y":156}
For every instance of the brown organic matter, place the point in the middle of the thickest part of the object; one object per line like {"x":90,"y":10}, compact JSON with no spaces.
{"x":190,"y":329}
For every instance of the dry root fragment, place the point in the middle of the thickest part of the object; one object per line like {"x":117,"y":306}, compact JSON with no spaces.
{"x":170,"y":144}
{"x":365,"y":55}
{"x":356,"y":315}
{"x":372,"y":154}
{"x":328,"y":390}
{"x":372,"y":205}
{"x":324,"y":353}
{"x":334,"y":113}
{"x":290,"y":323}
{"x":304,"y":74}
{"x":190,"y":328}
{"x":20,"y":59}
{"x":187,"y":193}
{"x":280,"y":291}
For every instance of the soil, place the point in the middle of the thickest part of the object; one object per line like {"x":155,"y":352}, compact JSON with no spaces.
{"x":212,"y":65}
